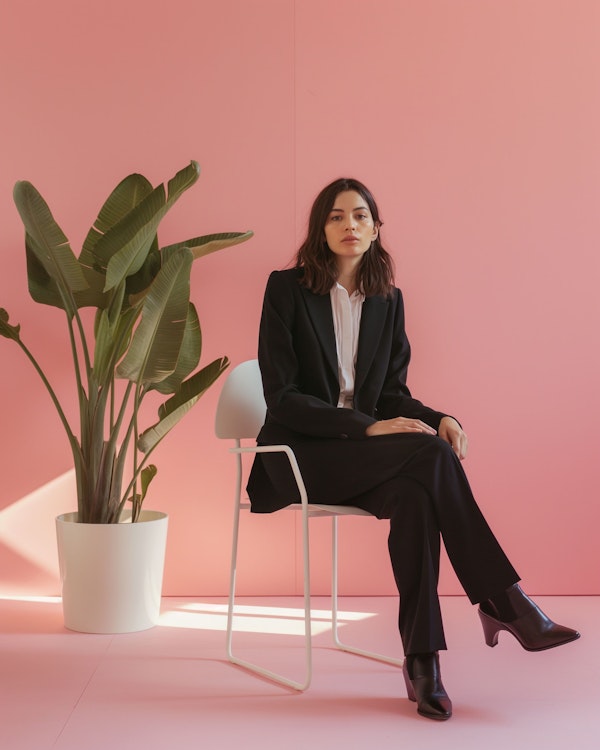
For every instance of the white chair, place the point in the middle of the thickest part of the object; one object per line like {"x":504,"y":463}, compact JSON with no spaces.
{"x":240,"y":415}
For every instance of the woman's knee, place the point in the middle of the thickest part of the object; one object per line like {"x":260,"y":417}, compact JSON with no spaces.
{"x":440,"y":447}
{"x":436,"y":453}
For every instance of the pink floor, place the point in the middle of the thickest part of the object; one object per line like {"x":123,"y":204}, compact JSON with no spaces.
{"x":171,"y":687}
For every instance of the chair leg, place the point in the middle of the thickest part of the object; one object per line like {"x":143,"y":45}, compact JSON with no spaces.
{"x":334,"y":606}
{"x":250,"y":666}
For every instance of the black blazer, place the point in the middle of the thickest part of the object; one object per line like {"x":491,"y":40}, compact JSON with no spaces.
{"x":298,"y":361}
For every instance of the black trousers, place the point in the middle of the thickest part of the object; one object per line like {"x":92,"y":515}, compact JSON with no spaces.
{"x":419,"y":484}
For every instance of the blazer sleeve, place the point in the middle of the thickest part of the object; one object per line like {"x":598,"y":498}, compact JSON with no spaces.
{"x":395,"y":399}
{"x":298,"y":393}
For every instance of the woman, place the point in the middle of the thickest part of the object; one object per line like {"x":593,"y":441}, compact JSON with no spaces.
{"x":333,"y":355}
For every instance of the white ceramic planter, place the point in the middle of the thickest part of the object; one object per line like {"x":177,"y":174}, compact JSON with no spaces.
{"x":111,"y":574}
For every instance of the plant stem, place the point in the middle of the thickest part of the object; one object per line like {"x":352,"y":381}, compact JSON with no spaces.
{"x":55,"y":401}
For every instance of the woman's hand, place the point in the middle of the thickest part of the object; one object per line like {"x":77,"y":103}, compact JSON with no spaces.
{"x":399,"y":424}
{"x":449,"y":430}
{"x":452,"y":433}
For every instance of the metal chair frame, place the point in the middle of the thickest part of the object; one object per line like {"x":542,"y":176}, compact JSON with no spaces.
{"x":240,"y":414}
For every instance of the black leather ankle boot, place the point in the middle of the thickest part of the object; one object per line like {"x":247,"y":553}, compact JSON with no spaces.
{"x":516,"y":613}
{"x":424,"y":685}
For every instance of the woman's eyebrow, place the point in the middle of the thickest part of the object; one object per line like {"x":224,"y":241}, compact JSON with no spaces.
{"x":341,"y":210}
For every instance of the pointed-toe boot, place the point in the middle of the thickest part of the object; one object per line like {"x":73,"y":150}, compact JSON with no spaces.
{"x":523,"y":619}
{"x":424,"y":686}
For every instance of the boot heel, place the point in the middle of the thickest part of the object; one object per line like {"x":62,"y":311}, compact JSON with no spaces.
{"x":491,"y":628}
{"x":525,"y":620}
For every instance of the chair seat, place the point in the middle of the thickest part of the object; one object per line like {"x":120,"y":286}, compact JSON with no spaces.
{"x":319,"y":509}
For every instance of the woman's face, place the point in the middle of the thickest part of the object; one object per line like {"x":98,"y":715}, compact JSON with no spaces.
{"x":349,"y":228}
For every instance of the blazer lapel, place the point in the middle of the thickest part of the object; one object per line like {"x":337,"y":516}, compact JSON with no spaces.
{"x":372,"y":321}
{"x":319,"y":310}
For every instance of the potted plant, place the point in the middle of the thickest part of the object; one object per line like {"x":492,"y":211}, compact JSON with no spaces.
{"x":144,"y":338}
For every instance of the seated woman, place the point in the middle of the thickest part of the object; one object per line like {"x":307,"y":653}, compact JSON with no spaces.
{"x":334,"y":355}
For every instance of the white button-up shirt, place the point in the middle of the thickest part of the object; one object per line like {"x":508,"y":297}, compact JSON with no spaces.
{"x":347,"y":310}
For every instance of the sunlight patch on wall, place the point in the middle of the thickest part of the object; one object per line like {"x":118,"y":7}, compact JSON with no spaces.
{"x":27,"y":526}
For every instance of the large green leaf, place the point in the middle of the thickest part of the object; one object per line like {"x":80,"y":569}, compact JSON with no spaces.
{"x":189,"y":354}
{"x":141,"y":280}
{"x":44,"y":289}
{"x":195,"y":386}
{"x":49,"y":244}
{"x":127,"y":244}
{"x":173,"y":410}
{"x":112,"y":340}
{"x":115,"y":306}
{"x":125,"y":197}
{"x":183,"y":180}
{"x":208,"y":243}
{"x":154,"y":349}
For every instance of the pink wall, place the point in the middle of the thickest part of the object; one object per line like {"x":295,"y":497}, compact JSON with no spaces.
{"x":477,"y":125}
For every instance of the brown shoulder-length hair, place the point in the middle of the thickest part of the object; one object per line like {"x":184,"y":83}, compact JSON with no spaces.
{"x":375,"y":274}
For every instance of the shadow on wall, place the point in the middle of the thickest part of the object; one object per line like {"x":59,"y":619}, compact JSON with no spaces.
{"x":28,"y":538}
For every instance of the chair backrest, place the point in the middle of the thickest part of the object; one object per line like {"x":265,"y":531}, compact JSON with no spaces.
{"x":241,"y":409}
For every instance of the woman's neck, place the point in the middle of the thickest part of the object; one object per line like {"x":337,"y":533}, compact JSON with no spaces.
{"x":347,"y":275}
